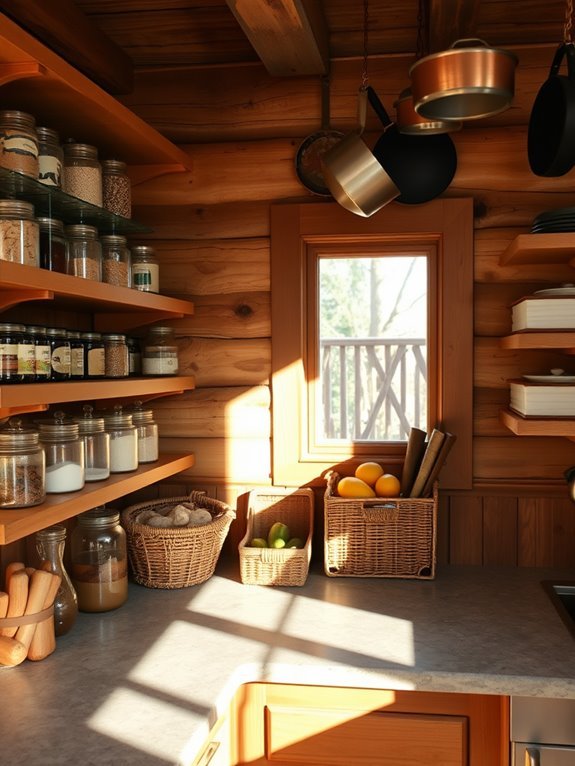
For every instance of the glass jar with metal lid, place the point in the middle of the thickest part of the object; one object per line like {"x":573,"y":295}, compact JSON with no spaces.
{"x":99,"y":557}
{"x":82,"y":173}
{"x":84,"y":252}
{"x":26,"y":356}
{"x":116,"y":261}
{"x":117,"y":189}
{"x":19,"y":233}
{"x":96,"y":445}
{"x":42,"y":352}
{"x":22,"y":466}
{"x":135,"y":356}
{"x":50,"y":157}
{"x":18,"y":142}
{"x":64,"y":454}
{"x":10,"y":338}
{"x":53,"y":246}
{"x":60,"y":357}
{"x":123,"y":440}
{"x":94,"y":355}
{"x":76,"y":355}
{"x":145,"y":269}
{"x":160,"y":352}
{"x":117,"y":358}
{"x":50,"y":544}
{"x":148,"y":449}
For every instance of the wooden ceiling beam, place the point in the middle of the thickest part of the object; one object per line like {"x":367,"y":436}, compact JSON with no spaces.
{"x":451,"y":20}
{"x":290,"y":36}
{"x":62,"y":26}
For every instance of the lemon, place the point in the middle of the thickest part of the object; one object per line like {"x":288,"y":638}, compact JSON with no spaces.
{"x":388,"y":485}
{"x":258,"y":542}
{"x":350,"y":486}
{"x":369,"y":473}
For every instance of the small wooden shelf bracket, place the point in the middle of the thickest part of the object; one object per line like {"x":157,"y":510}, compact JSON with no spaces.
{"x":10,"y":72}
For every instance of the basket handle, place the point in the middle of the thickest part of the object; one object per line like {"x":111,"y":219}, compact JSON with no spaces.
{"x":380,"y":512}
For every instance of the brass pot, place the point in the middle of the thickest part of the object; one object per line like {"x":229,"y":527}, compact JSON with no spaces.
{"x":408,"y":121}
{"x":468,"y":81}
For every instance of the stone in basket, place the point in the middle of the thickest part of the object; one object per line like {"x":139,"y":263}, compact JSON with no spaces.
{"x":176,"y":542}
{"x":271,"y":566}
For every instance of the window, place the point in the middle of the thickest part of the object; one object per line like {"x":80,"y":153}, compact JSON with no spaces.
{"x":348,"y":381}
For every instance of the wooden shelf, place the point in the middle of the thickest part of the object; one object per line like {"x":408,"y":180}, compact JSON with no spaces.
{"x":540,"y":339}
{"x":540,"y":249}
{"x":18,"y":523}
{"x":537,"y":426}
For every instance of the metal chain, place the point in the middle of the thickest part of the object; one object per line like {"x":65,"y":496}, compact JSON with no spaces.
{"x":365,"y":27}
{"x":568,"y":27}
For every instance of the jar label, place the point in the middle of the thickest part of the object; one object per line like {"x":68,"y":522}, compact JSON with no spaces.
{"x":16,"y":143}
{"x":26,"y":359}
{"x":42,"y":361}
{"x":77,"y":362}
{"x":61,"y":359}
{"x":8,"y":358}
{"x":49,"y":170}
{"x":96,"y":362}
{"x":167,"y":365}
{"x":145,"y":276}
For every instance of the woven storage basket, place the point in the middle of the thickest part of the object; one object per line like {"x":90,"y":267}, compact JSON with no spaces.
{"x":283,"y":566}
{"x":379,"y":537}
{"x":180,"y":556}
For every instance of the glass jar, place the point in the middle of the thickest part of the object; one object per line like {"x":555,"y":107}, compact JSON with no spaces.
{"x":84,"y":252}
{"x":96,"y":445}
{"x":82,"y":173}
{"x":94,"y":355}
{"x":10,"y":337}
{"x":42,"y":353}
{"x":19,"y":233}
{"x":134,"y":356}
{"x":50,"y":543}
{"x":60,"y":357}
{"x":50,"y":157}
{"x":116,"y":187}
{"x":116,"y":261}
{"x":53,"y":246}
{"x":26,"y":356}
{"x":117,"y":361}
{"x":76,"y":355}
{"x":123,"y":440}
{"x":160,"y":354}
{"x":22,"y":467}
{"x":145,"y":269}
{"x":18,"y":142}
{"x":64,"y":454}
{"x":148,"y":447}
{"x":99,"y":560}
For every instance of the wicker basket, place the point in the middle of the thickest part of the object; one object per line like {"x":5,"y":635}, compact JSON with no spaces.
{"x":180,"y":556}
{"x":379,"y":537}
{"x":283,"y":566}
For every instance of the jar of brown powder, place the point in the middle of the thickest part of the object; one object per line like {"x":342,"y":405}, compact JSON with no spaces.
{"x":116,"y":188}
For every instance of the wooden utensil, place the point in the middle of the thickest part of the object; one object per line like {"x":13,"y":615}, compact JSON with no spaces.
{"x":40,"y":584}
{"x":44,"y":639}
{"x":17,"y":598}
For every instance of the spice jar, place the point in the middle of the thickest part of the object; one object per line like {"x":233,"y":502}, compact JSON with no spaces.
{"x":145,"y":269}
{"x":53,"y":247}
{"x":116,"y":262}
{"x":22,"y":467}
{"x":94,"y":355}
{"x":18,"y":142}
{"x":134,"y":356}
{"x":82,"y":173}
{"x":19,"y":233}
{"x":84,"y":252}
{"x":117,"y":361}
{"x":50,"y":157}
{"x":64,"y":454}
{"x":148,"y":449}
{"x":96,"y":445}
{"x":160,"y":354}
{"x":116,"y":188}
{"x":42,"y":352}
{"x":10,"y":337}
{"x":99,"y":561}
{"x":123,"y":440}
{"x":26,"y":356}
{"x":76,"y":355}
{"x":50,"y":543}
{"x":60,"y":358}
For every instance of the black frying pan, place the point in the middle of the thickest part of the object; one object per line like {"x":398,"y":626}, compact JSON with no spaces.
{"x":551,"y":136}
{"x":421,"y":166}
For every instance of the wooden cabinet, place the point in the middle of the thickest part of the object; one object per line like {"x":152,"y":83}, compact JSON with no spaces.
{"x":540,"y":249}
{"x":33,"y":78}
{"x":324,"y":726}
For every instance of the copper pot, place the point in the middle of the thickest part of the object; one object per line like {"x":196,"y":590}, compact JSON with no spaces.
{"x":408,"y":121}
{"x":468,"y":81}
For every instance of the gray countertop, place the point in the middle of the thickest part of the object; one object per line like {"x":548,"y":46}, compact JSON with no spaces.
{"x":143,"y":685}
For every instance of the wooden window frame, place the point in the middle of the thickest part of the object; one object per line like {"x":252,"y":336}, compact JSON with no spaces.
{"x":298,"y":231}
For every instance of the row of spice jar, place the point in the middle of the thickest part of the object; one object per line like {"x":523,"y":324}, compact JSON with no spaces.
{"x":73,"y":167}
{"x":61,"y":454}
{"x":76,"y":249}
{"x":35,"y":354}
